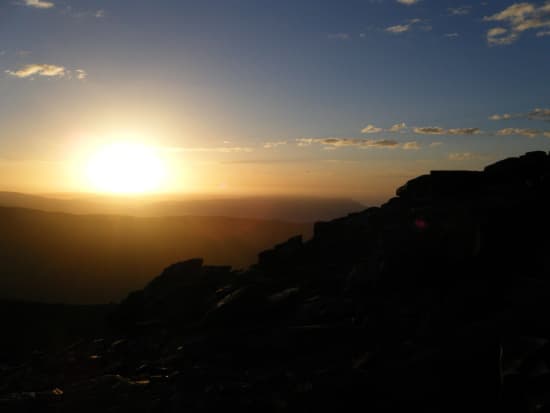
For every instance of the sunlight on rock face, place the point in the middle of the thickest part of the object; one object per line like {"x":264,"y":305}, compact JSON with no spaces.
{"x":126,"y":168}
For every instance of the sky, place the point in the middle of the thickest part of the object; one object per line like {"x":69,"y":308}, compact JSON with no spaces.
{"x":324,"y":98}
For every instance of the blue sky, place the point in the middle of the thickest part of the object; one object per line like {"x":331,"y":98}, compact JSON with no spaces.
{"x":247,"y":76}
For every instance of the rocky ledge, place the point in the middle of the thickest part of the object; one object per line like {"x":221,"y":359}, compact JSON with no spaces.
{"x":437,"y":301}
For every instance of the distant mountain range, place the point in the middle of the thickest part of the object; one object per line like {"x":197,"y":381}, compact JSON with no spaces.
{"x":60,"y":257}
{"x":294,"y":209}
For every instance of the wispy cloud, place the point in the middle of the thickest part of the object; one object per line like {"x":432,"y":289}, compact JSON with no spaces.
{"x":39,"y":4}
{"x":361,"y":143}
{"x":221,"y":149}
{"x":467,"y":156}
{"x":81,"y":74}
{"x":530,"y":133}
{"x":398,"y":28}
{"x":398,"y":127}
{"x":536,"y":114}
{"x":371,"y":129}
{"x":408,"y":2}
{"x":349,"y":142}
{"x":411,"y":146}
{"x":405,"y":27}
{"x":539,"y":114}
{"x":271,"y":145}
{"x":451,"y":35}
{"x":47,"y":70}
{"x":436,"y":130}
{"x":339,"y":36}
{"x":459,"y":11}
{"x":39,"y":70}
{"x":518,"y":18}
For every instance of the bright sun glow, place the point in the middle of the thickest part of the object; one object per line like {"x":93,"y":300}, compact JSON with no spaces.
{"x":126,"y":168}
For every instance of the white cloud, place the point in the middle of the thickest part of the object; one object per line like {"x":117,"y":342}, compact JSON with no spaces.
{"x":371,"y":129}
{"x":519,"y":17}
{"x":451,"y":35}
{"x":435,"y":144}
{"x":39,"y":70}
{"x":39,"y":4}
{"x":530,"y":133}
{"x":543,"y":33}
{"x":408,"y":2}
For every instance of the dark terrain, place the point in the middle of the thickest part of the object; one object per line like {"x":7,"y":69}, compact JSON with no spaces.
{"x":438,"y":301}
{"x":91,"y":259}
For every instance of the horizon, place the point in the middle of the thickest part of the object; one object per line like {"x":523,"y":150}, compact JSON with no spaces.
{"x":233,"y":99}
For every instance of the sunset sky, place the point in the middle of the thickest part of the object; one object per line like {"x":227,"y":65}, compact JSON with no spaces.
{"x":345,"y":98}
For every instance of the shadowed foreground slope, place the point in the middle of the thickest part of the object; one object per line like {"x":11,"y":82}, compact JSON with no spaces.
{"x":439,"y":301}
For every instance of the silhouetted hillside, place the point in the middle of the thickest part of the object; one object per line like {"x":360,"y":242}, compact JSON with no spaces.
{"x":294,"y":209}
{"x":67,"y":258}
{"x":438,"y":301}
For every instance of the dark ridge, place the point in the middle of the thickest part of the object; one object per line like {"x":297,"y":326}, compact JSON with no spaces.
{"x":437,"y":301}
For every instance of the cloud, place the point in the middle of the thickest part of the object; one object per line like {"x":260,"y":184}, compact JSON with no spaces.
{"x":530,"y":133}
{"x":543,"y":33}
{"x":39,"y":70}
{"x":397,"y":127}
{"x":399,"y":28}
{"x":339,"y":36}
{"x":411,"y":146}
{"x":519,"y":17}
{"x":459,"y":11}
{"x":539,"y":114}
{"x":349,"y":142}
{"x":39,"y":4}
{"x":222,"y":149}
{"x":467,"y":156}
{"x":402,"y":28}
{"x":81,"y":74}
{"x":271,"y":145}
{"x":408,"y":2}
{"x":451,"y":35}
{"x":361,"y":143}
{"x":371,"y":129}
{"x":536,"y":114}
{"x":504,"y":116}
{"x":463,"y":131}
{"x":435,"y":144}
{"x":436,"y":130}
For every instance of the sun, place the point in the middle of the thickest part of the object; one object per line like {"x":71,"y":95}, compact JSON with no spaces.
{"x":126,"y":168}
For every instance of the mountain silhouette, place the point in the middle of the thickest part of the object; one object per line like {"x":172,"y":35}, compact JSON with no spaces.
{"x":437,"y":301}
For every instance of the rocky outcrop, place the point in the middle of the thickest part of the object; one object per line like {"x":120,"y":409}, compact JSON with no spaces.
{"x":439,"y":300}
